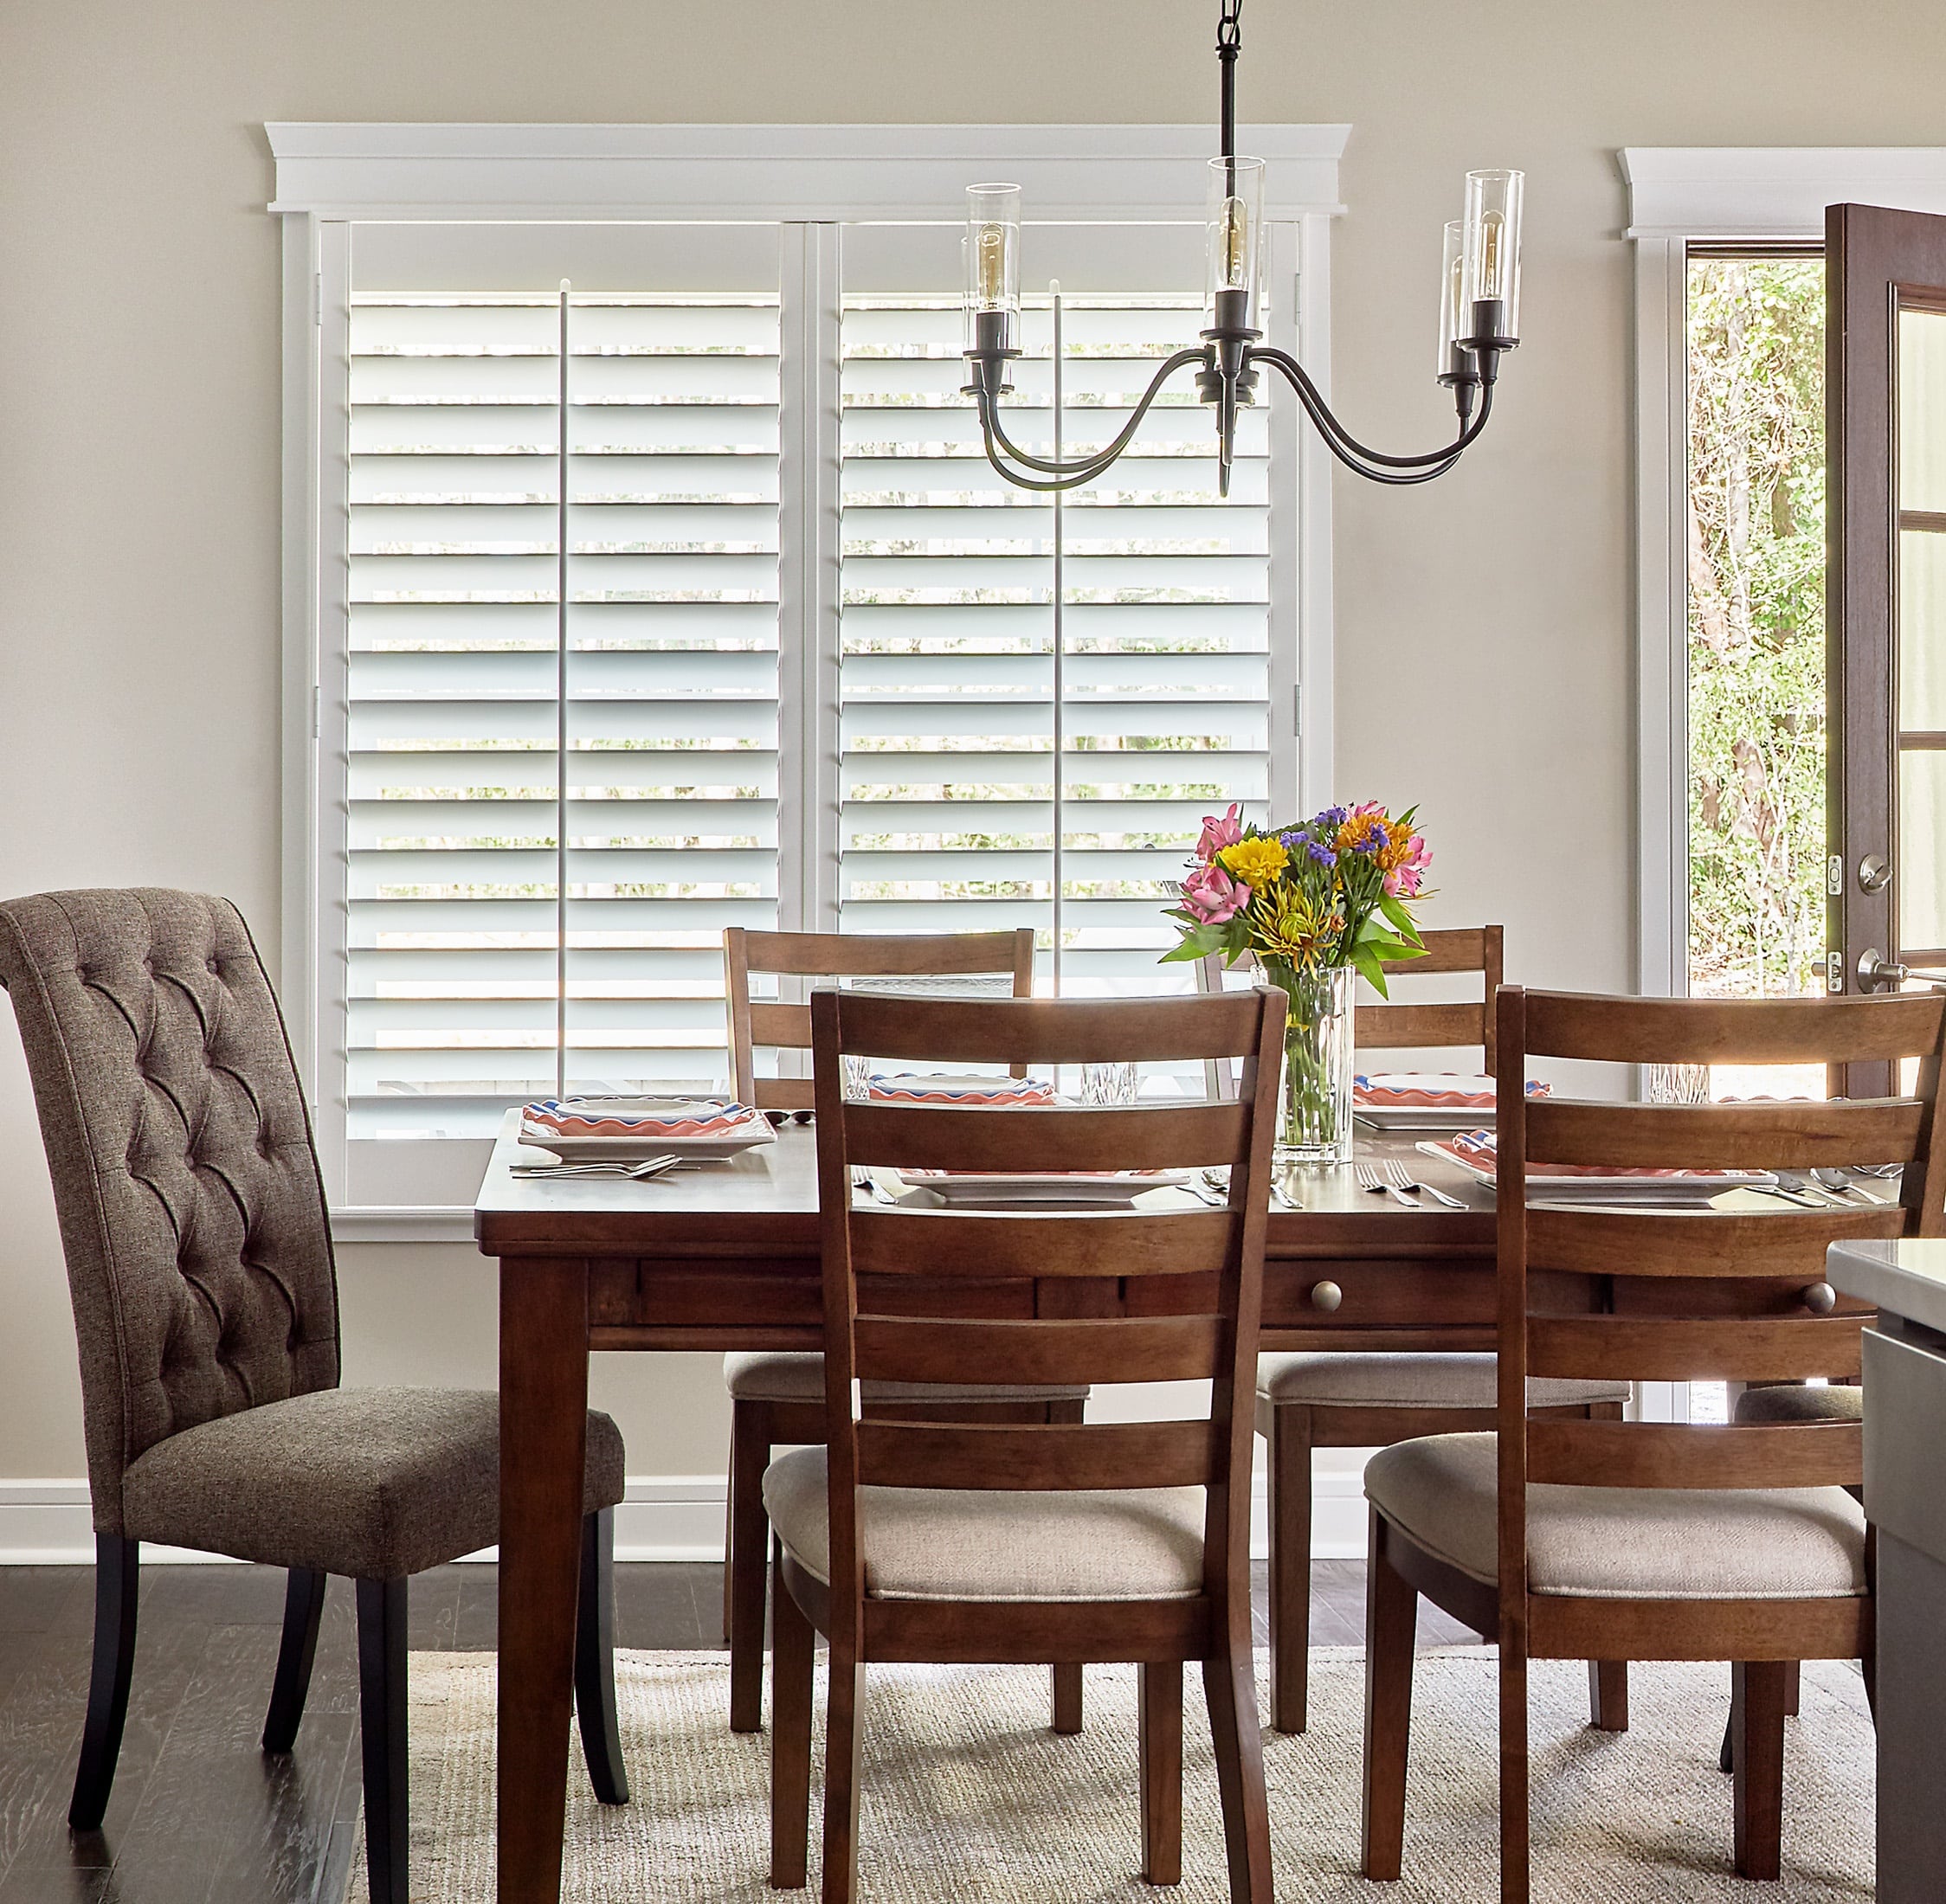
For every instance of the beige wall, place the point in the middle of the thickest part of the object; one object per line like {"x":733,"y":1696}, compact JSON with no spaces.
{"x":1484,"y":624}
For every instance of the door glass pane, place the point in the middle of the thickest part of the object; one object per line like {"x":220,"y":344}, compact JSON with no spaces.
{"x":1922,"y":631}
{"x":1921,"y":404}
{"x":1921,"y":851}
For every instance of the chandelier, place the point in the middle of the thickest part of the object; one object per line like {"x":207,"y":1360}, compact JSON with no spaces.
{"x":1479,"y":306}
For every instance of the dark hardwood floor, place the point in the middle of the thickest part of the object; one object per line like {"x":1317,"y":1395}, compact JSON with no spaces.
{"x":199,"y":1815}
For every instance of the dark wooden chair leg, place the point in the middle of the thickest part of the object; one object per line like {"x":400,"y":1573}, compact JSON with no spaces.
{"x":841,"y":1766}
{"x":1391,"y":1627}
{"x":1516,"y":1822}
{"x":1161,"y":1770}
{"x":1608,"y":1694}
{"x":594,"y":1661}
{"x":1756,"y":1724}
{"x":749,"y":1547}
{"x":117,"y":1570}
{"x":304,"y":1607}
{"x":1794,"y":1676}
{"x":382,"y":1737}
{"x":1290,"y":1567}
{"x":1229,"y":1687}
{"x":793,"y":1658}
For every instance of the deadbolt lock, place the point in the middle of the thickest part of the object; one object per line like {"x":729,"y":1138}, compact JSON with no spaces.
{"x":1875,"y":874}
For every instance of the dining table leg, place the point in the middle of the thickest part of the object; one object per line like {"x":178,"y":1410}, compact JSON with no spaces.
{"x":544,"y":1431}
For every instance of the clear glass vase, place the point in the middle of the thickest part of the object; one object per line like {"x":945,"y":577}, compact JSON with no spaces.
{"x":1314,"y":1105}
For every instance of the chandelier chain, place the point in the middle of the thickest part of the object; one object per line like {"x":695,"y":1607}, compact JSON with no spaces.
{"x":1229,"y":26}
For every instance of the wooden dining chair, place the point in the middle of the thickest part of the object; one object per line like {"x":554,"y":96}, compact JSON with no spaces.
{"x":1054,"y":1541}
{"x":1656,"y":1539}
{"x":776,"y":1396}
{"x":1371,"y":1398}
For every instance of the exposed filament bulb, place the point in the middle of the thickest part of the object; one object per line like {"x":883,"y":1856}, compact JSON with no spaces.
{"x":1236,"y":243}
{"x":990,"y":250}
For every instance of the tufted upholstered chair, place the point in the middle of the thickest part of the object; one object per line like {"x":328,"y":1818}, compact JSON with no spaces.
{"x":205,"y":1300}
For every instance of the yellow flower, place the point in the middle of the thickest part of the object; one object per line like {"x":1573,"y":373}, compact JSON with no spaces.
{"x":1286,"y":924}
{"x":1256,"y":862}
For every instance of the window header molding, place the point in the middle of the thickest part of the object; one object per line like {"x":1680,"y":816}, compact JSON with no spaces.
{"x":1771,"y":191}
{"x":718,"y":173}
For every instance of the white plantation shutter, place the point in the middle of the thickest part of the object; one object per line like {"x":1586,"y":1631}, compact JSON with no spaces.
{"x":849,"y":704}
{"x":453,"y":716}
{"x":950,"y":585}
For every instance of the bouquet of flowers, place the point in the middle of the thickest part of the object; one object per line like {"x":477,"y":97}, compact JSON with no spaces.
{"x":1334,"y":891}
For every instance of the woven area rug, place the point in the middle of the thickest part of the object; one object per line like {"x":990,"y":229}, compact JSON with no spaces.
{"x":968,"y":1796}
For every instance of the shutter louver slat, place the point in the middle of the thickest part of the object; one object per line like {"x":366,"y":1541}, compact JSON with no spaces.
{"x":671,"y":719}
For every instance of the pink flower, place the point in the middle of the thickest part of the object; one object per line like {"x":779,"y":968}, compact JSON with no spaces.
{"x":1219,"y":833}
{"x":1213,"y":896}
{"x":1407,"y":879}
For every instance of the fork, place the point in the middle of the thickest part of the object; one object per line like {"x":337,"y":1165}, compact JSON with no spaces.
{"x":1396,"y":1173}
{"x":1369,"y":1178}
{"x":649,"y":1167}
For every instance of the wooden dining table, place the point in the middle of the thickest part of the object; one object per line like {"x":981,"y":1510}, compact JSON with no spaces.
{"x":725,"y":1256}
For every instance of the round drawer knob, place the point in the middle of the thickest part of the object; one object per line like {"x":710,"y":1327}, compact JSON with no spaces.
{"x":1326,"y":1296}
{"x":1821,"y":1299}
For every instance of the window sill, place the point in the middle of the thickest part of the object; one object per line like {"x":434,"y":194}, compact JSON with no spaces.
{"x":385,"y":1223}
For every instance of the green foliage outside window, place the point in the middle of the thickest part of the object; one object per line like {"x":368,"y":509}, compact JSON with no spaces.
{"x":1756,"y":636}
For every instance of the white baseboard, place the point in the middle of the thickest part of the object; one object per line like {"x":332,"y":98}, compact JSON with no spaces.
{"x":662,"y":1517}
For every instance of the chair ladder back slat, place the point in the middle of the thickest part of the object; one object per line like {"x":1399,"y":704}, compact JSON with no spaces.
{"x":1687,"y":1243}
{"x":1789,"y":1135}
{"x":1031,"y":1138}
{"x":1061,"y":1457}
{"x":1681,"y":1350}
{"x":1685,"y":1455}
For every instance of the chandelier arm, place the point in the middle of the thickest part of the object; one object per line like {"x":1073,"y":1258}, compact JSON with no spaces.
{"x":1045,"y":485}
{"x":1083,"y":468}
{"x":1356,"y":452}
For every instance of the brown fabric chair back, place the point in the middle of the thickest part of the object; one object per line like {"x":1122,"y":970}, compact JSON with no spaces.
{"x":191,"y":1211}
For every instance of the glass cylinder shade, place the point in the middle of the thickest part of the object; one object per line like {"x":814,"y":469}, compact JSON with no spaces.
{"x":1453,"y":302}
{"x":1235,"y":235}
{"x":993,"y":265}
{"x":1491,"y":270}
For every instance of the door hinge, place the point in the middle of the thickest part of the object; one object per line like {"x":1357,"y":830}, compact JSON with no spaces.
{"x":317,"y":711}
{"x":317,"y":300}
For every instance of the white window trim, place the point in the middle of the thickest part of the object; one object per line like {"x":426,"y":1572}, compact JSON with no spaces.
{"x":332,"y":176}
{"x":1680,"y":195}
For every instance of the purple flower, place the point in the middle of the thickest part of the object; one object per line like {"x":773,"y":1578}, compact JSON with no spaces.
{"x":1333,"y":817}
{"x":1322,"y":853}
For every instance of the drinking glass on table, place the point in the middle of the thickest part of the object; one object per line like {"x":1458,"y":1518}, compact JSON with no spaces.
{"x":1103,"y":1085}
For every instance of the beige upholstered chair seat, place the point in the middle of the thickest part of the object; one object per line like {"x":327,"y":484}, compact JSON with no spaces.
{"x":765,"y":1374}
{"x":967,"y":1544}
{"x":1625,"y":1543}
{"x":1392,"y":1379}
{"x":1792,"y":1403}
{"x":372,"y":1482}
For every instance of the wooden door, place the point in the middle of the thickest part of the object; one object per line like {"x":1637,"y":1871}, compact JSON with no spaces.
{"x":1885,"y":449}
